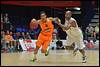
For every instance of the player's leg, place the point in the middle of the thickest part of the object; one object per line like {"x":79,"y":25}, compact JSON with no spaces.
{"x":75,"y":49}
{"x":84,"y":58}
{"x":38,"y":45}
{"x":47,"y":50}
{"x":71,"y":41}
{"x":82,"y":51}
{"x":45,"y":47}
{"x":68,"y":44}
{"x":81,"y":46}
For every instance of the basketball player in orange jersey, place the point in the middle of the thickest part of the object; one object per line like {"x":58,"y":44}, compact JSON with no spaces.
{"x":45,"y":35}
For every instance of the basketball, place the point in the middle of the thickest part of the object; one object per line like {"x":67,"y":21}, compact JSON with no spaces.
{"x":33,"y":24}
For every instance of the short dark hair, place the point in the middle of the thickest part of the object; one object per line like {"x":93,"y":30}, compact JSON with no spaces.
{"x":42,"y":12}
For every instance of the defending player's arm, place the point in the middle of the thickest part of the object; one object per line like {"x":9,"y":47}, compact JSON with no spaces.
{"x":70,"y":24}
{"x":61,"y":25}
{"x":64,"y":27}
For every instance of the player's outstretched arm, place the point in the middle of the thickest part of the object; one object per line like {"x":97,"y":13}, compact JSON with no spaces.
{"x":64,"y":27}
{"x":61,"y":25}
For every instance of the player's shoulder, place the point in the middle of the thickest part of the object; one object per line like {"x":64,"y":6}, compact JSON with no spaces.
{"x":49,"y":20}
{"x":73,"y":19}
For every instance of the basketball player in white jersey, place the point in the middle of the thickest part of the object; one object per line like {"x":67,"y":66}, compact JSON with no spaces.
{"x":74,"y":34}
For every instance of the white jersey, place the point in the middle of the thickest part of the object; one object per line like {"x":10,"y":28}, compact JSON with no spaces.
{"x":73,"y":31}
{"x":74,"y":35}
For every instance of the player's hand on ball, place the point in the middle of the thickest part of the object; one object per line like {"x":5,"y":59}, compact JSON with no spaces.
{"x":33,"y":24}
{"x":58,"y":21}
{"x":51,"y":18}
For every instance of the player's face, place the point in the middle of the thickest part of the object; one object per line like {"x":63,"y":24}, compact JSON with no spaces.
{"x":68,"y":15}
{"x":43,"y":16}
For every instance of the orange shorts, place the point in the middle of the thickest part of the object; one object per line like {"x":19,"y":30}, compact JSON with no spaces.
{"x":43,"y":41}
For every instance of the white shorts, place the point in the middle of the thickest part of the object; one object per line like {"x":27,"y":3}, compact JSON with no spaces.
{"x":77,"y":40}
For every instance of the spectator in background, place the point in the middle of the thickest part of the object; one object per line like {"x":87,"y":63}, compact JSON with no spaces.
{"x":1,"y":39}
{"x":14,"y":36}
{"x":31,"y":32}
{"x":89,"y":31}
{"x":7,"y":22}
{"x":8,"y":39}
{"x":55,"y":34}
{"x":97,"y":31}
{"x":1,"y":17}
{"x":3,"y":43}
{"x":27,"y":36}
{"x":59,"y":44}
{"x":23,"y":35}
{"x":12,"y":42}
{"x":54,"y":39}
{"x":18,"y":46}
{"x":94,"y":36}
{"x":2,"y":21}
{"x":6,"y":19}
{"x":18,"y":35}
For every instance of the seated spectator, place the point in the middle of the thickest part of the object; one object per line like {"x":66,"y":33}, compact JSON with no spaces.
{"x":14,"y":36}
{"x":8,"y":38}
{"x":55,"y":34}
{"x":94,"y":36}
{"x":34,"y":33}
{"x":59,"y":44}
{"x":97,"y":31}
{"x":31,"y":32}
{"x":23,"y":35}
{"x":2,"y":21}
{"x":19,"y":35}
{"x":27,"y":36}
{"x":12,"y":42}
{"x":18,"y":46}
{"x":3,"y":43}
{"x":89,"y":31}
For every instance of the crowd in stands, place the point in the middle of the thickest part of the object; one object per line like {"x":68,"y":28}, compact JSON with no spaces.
{"x":92,"y":32}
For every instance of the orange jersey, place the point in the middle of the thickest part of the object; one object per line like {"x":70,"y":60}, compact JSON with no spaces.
{"x":45,"y":35}
{"x":8,"y":38}
{"x":47,"y":28}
